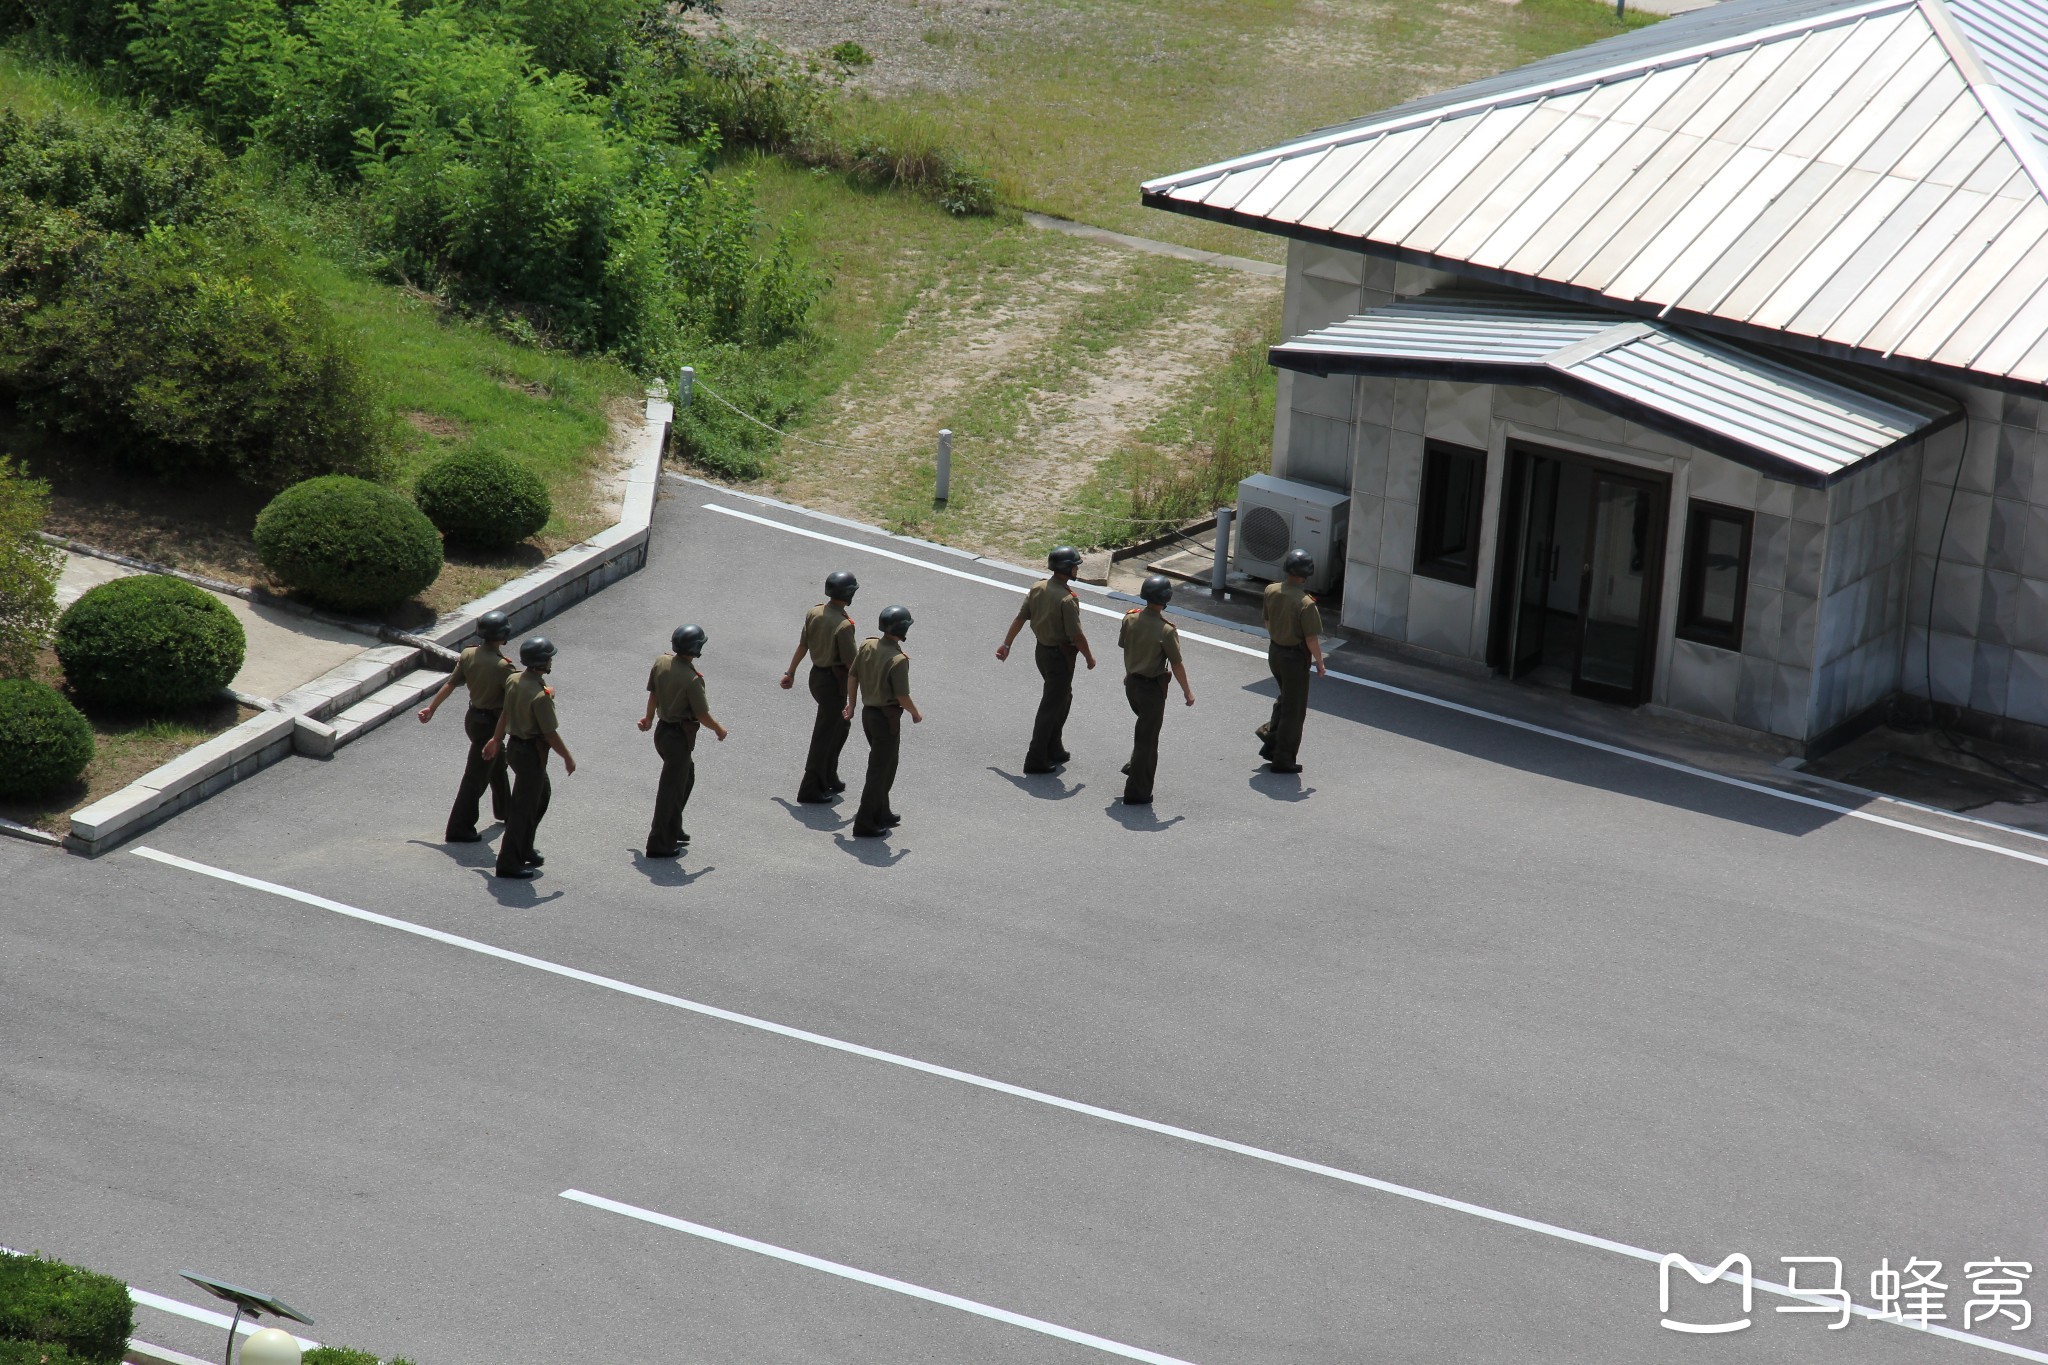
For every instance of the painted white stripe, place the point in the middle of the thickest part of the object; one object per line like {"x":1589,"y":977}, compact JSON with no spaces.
{"x":1530,"y":727}
{"x":205,"y":1315}
{"x":1512,"y":1220}
{"x":868,"y":1277}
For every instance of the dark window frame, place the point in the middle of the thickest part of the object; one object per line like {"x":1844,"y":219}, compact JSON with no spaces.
{"x":1692,"y":577}
{"x":1432,"y":559}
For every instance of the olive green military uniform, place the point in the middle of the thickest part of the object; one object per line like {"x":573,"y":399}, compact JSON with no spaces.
{"x":1151,"y":646}
{"x":1292,"y":620}
{"x":679,"y":710}
{"x":882,"y":671}
{"x":1055,"y":616}
{"x":484,"y":671}
{"x":828,"y":635}
{"x":529,"y":716}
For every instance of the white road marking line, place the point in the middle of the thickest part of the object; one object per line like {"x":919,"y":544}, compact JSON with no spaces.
{"x":1531,"y":727}
{"x":868,"y":1277}
{"x":1512,"y":1220}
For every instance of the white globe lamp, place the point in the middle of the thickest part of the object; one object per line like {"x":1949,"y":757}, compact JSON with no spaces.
{"x":270,"y":1347}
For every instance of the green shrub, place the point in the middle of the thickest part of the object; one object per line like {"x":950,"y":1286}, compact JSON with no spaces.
{"x":28,"y":571}
{"x":44,"y":742}
{"x":348,"y":543}
{"x":482,"y":498}
{"x":850,"y":54}
{"x":36,"y":1353}
{"x":337,"y":1355}
{"x":768,"y":386}
{"x":149,"y":644}
{"x":87,"y":1314}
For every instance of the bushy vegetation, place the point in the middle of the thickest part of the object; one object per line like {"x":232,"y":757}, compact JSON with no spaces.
{"x":140,"y":307}
{"x":28,"y":571}
{"x":35,"y":1353}
{"x":150,"y":644}
{"x":86,"y":1314}
{"x":44,"y":743}
{"x":478,"y":498}
{"x":348,"y":543}
{"x":342,"y":1355}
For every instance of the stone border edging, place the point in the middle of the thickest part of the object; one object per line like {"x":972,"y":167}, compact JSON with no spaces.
{"x":350,"y":700}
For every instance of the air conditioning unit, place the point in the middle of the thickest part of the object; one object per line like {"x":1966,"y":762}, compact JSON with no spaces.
{"x":1278,"y":515}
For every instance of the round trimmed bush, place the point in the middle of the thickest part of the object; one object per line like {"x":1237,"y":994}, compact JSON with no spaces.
{"x":348,"y":543}
{"x":151,"y":643}
{"x":44,"y":742}
{"x":481,"y":498}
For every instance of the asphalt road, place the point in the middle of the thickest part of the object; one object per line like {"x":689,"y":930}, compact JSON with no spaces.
{"x":1646,"y":1011}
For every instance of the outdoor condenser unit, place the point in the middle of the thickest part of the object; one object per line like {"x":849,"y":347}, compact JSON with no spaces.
{"x":1278,"y":515}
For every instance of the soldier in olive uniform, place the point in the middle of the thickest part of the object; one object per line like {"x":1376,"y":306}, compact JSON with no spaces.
{"x":827,"y":636}
{"x":880,"y":683}
{"x":1054,"y":614}
{"x":1151,"y":646}
{"x":526,"y":731}
{"x":485,"y":671}
{"x":675,"y":692}
{"x":1294,"y":628}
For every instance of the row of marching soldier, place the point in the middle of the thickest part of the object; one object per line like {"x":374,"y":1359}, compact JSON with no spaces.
{"x":512,"y":725}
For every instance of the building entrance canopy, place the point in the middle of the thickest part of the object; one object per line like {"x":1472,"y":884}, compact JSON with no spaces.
{"x":1801,"y":420}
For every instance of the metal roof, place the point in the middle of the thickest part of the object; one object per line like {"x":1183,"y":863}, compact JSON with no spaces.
{"x":1863,"y":178}
{"x":1797,"y":419}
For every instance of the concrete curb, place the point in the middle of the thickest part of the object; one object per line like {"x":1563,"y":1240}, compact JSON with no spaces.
{"x":355,"y":698}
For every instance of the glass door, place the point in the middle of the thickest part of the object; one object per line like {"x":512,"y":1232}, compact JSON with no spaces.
{"x":1537,"y":541}
{"x":1620,"y":576}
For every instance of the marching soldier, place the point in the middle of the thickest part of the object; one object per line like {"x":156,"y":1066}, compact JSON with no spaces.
{"x":827,"y":636}
{"x":1294,"y":628}
{"x":526,"y":731}
{"x":1151,"y":646}
{"x":880,"y":682}
{"x":484,"y":671}
{"x":675,"y":692}
{"x":1054,"y":614}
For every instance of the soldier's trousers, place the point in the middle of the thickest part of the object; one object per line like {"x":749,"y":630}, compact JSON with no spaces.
{"x":1282,"y":734}
{"x":828,"y":735}
{"x":528,"y":759}
{"x":1147,"y":697}
{"x":1056,"y":666}
{"x":478,"y":773}
{"x":883,"y":725}
{"x":676,"y":742}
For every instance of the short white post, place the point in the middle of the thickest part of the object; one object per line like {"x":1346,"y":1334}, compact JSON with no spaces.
{"x":684,"y":382}
{"x":1219,"y":572}
{"x":945,"y":465}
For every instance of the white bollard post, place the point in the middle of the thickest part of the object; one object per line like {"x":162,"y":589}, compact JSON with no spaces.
{"x":945,"y":465}
{"x":1219,"y":572}
{"x":684,"y":381}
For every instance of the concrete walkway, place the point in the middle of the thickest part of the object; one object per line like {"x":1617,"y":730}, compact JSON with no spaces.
{"x":285,"y":650}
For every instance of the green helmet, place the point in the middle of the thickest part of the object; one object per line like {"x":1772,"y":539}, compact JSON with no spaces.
{"x":687,"y":640}
{"x":895,"y":621}
{"x":1065,"y":559}
{"x":538,"y":651}
{"x":495,"y":627}
{"x":1158,"y":590}
{"x":1298,"y":564}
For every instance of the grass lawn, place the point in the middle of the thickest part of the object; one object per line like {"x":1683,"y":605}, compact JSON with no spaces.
{"x":1080,"y":102}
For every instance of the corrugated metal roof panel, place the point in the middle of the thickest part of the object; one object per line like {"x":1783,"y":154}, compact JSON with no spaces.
{"x":1851,"y":174}
{"x":1803,"y":420}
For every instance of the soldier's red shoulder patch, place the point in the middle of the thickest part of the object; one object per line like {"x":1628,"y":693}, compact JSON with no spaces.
{"x":547,"y":691}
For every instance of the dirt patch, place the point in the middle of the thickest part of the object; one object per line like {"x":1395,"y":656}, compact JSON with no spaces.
{"x":916,"y":44}
{"x":441,"y":428}
{"x":124,"y":749}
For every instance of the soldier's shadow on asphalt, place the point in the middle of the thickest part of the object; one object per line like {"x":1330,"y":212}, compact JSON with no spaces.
{"x":1044,"y":786}
{"x":667,"y":871}
{"x":479,"y":854}
{"x":1280,"y":786}
{"x":1139,"y":819}
{"x":818,"y":816}
{"x":516,"y":895}
{"x":873,"y":852}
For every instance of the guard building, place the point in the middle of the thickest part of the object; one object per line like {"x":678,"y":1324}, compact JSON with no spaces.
{"x":1704,"y":368}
